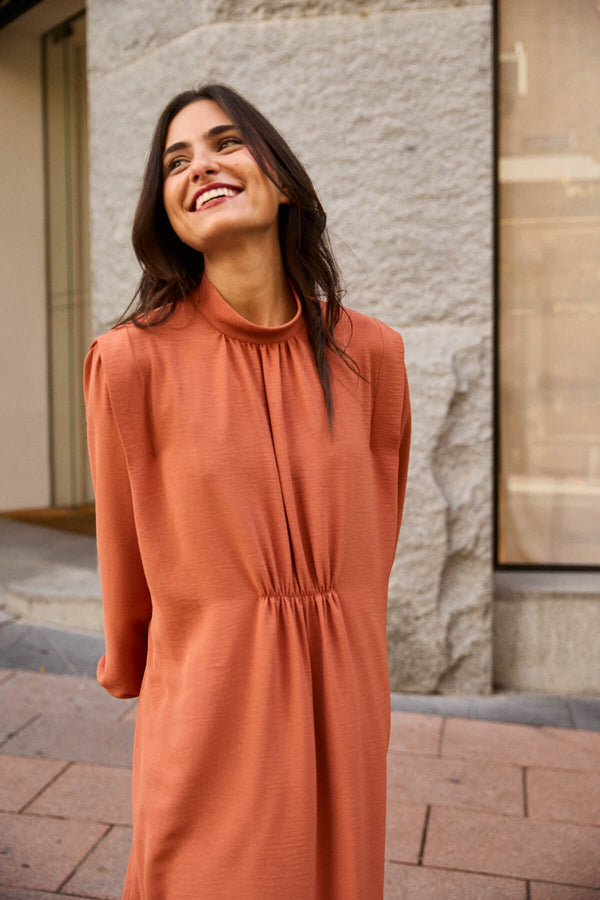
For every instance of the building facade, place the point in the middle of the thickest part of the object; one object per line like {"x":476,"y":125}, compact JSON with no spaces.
{"x":391,"y":105}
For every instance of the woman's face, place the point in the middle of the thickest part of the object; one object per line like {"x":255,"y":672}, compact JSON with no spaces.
{"x":215,"y":194}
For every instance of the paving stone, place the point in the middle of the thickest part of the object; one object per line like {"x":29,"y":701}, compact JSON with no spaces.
{"x":81,"y":739}
{"x":66,"y":599}
{"x":523,"y":745}
{"x":12,"y":719}
{"x":130,"y":714}
{"x":81,"y":650}
{"x":90,"y":792}
{"x":25,"y":646}
{"x":33,"y":693}
{"x":10,"y":634}
{"x":41,"y":853}
{"x":415,"y":733}
{"x":21,"y":779}
{"x":471,"y":784}
{"x":422,"y":883}
{"x":37,"y":648}
{"x":564,"y":796}
{"x":405,"y":823}
{"x":543,"y":891}
{"x":586,"y":712}
{"x":27,"y":549}
{"x":17,"y":894}
{"x":103,"y":872}
{"x":432,"y":704}
{"x":513,"y":847}
{"x":524,"y":709}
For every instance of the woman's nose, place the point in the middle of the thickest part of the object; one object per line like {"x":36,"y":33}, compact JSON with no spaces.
{"x":203,"y":164}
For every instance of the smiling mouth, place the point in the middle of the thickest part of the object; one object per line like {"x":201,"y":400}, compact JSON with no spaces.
{"x":219,"y":193}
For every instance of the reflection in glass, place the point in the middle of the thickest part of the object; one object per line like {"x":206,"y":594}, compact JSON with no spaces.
{"x":549,"y":282}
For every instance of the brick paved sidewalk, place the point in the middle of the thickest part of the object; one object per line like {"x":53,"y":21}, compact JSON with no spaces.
{"x":477,"y":810}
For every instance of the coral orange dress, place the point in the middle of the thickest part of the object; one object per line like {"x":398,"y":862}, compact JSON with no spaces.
{"x":244,"y":554}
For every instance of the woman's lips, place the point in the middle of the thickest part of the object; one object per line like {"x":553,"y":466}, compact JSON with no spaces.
{"x":212,"y":193}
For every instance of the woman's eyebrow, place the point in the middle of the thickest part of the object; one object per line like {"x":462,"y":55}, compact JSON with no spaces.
{"x":212,"y":133}
{"x":180,"y":145}
{"x":219,"y":129}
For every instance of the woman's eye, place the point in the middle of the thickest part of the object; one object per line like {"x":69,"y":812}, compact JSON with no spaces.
{"x":229,"y":142}
{"x":174,"y":164}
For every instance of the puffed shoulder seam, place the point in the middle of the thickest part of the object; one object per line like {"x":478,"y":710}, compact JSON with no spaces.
{"x":124,"y":384}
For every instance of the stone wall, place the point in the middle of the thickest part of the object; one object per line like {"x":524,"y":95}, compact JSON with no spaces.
{"x":389,"y":105}
{"x":546,"y":627}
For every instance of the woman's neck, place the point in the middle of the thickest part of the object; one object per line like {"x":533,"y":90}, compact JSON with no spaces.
{"x":254,"y":284}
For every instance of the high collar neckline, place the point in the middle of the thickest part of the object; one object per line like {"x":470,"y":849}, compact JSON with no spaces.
{"x":222,"y":316}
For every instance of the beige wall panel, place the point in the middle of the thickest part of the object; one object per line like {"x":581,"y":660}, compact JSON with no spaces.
{"x":24,"y":469}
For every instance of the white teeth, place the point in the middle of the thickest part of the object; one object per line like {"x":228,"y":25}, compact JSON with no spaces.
{"x":213,"y":194}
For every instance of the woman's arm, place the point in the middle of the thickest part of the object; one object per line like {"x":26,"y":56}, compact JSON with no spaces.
{"x":404,"y":449}
{"x":126,"y":598}
{"x":391,"y":421}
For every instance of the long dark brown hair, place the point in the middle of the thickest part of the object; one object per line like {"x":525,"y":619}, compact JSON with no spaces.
{"x":171,"y":270}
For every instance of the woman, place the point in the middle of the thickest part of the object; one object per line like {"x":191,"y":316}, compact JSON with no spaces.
{"x":249,"y":447}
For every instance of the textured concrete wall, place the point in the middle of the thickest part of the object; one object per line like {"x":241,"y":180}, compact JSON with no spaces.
{"x":547,"y":641}
{"x":389,"y":105}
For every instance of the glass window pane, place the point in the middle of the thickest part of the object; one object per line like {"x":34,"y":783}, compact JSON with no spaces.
{"x":549,"y":282}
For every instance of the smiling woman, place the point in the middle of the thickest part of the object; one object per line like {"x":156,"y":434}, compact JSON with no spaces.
{"x":172,"y":269}
{"x":216,"y":196}
{"x":231,"y":416}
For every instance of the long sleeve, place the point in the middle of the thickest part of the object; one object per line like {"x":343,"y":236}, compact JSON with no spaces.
{"x":404,"y":449}
{"x":126,"y":598}
{"x":391,"y":427}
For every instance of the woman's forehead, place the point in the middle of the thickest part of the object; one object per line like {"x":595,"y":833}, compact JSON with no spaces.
{"x":195,"y":121}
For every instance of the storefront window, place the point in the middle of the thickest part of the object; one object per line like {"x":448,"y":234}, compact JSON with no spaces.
{"x":549,"y":282}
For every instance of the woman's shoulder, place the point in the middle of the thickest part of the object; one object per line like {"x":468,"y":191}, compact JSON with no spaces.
{"x":368,"y":327}
{"x":135,"y":341}
{"x":121,"y":358}
{"x":117,"y":340}
{"x":113,"y":351}
{"x":378,"y":351}
{"x":144,"y":330}
{"x":365,"y":336}
{"x":110,"y":364}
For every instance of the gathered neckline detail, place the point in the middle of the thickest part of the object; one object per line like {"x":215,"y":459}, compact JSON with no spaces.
{"x":222,"y":316}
